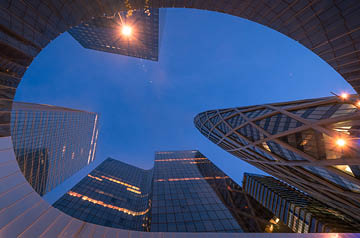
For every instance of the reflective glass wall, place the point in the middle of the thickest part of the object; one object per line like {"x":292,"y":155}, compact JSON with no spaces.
{"x":300,"y":212}
{"x":52,"y":143}
{"x":183,"y":200}
{"x":184,"y":192}
{"x":114,"y":194}
{"x":106,"y":33}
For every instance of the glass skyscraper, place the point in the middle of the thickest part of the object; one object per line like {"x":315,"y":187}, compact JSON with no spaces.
{"x":190,"y":194}
{"x":105,"y":34}
{"x":184,"y":192}
{"x":114,"y":194}
{"x":35,"y":167}
{"x":183,"y":200}
{"x":311,"y":144}
{"x":302,"y":213}
{"x":52,"y":143}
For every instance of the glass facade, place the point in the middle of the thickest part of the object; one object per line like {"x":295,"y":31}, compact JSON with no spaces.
{"x":329,"y":28}
{"x":114,"y":194}
{"x":184,"y":192}
{"x":104,"y":34}
{"x":300,"y":212}
{"x":35,"y":166}
{"x":52,"y":143}
{"x":297,"y":142}
{"x":183,"y":199}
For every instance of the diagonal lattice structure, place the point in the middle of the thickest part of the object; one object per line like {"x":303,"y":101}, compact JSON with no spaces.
{"x":331,"y":29}
{"x":296,"y":142}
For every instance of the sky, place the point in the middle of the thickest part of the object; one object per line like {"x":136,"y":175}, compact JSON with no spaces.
{"x":207,"y":61}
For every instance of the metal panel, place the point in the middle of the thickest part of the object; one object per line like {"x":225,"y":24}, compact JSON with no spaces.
{"x":309,"y":152}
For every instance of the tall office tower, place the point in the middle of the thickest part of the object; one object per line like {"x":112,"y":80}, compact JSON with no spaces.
{"x":52,"y":143}
{"x":190,"y":194}
{"x":311,"y":144}
{"x":34,"y":164}
{"x":131,"y":33}
{"x":302,"y":213}
{"x":184,"y":192}
{"x":114,"y":194}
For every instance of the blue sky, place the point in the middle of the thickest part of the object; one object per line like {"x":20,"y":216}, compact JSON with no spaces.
{"x":207,"y":60}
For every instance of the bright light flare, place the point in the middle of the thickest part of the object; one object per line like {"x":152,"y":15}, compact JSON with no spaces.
{"x":341,"y":142}
{"x":357,"y":103}
{"x":344,"y":95}
{"x":126,"y":30}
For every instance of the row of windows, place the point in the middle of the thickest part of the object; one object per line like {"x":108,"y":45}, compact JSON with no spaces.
{"x":281,"y":151}
{"x":189,"y":201}
{"x":113,"y":193}
{"x":192,"y":215}
{"x":251,"y":133}
{"x":65,"y":135}
{"x":325,"y":111}
{"x":278,"y":123}
{"x":198,"y":226}
{"x":98,"y":34}
{"x":299,"y":212}
{"x":334,"y":178}
{"x":174,"y":203}
{"x":119,"y":220}
{"x":179,"y":197}
{"x":258,"y":113}
{"x":188,"y":207}
{"x":268,"y":199}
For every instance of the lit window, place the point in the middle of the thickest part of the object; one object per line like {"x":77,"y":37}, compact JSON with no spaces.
{"x":101,"y":203}
{"x":345,"y":168}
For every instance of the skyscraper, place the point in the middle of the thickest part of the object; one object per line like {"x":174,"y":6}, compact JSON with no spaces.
{"x":34,"y":164}
{"x":310,"y":144}
{"x":114,"y":194}
{"x":131,"y":33}
{"x":184,"y":192}
{"x":302,"y":213}
{"x":190,"y":194}
{"x":52,"y":143}
{"x":329,"y":28}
